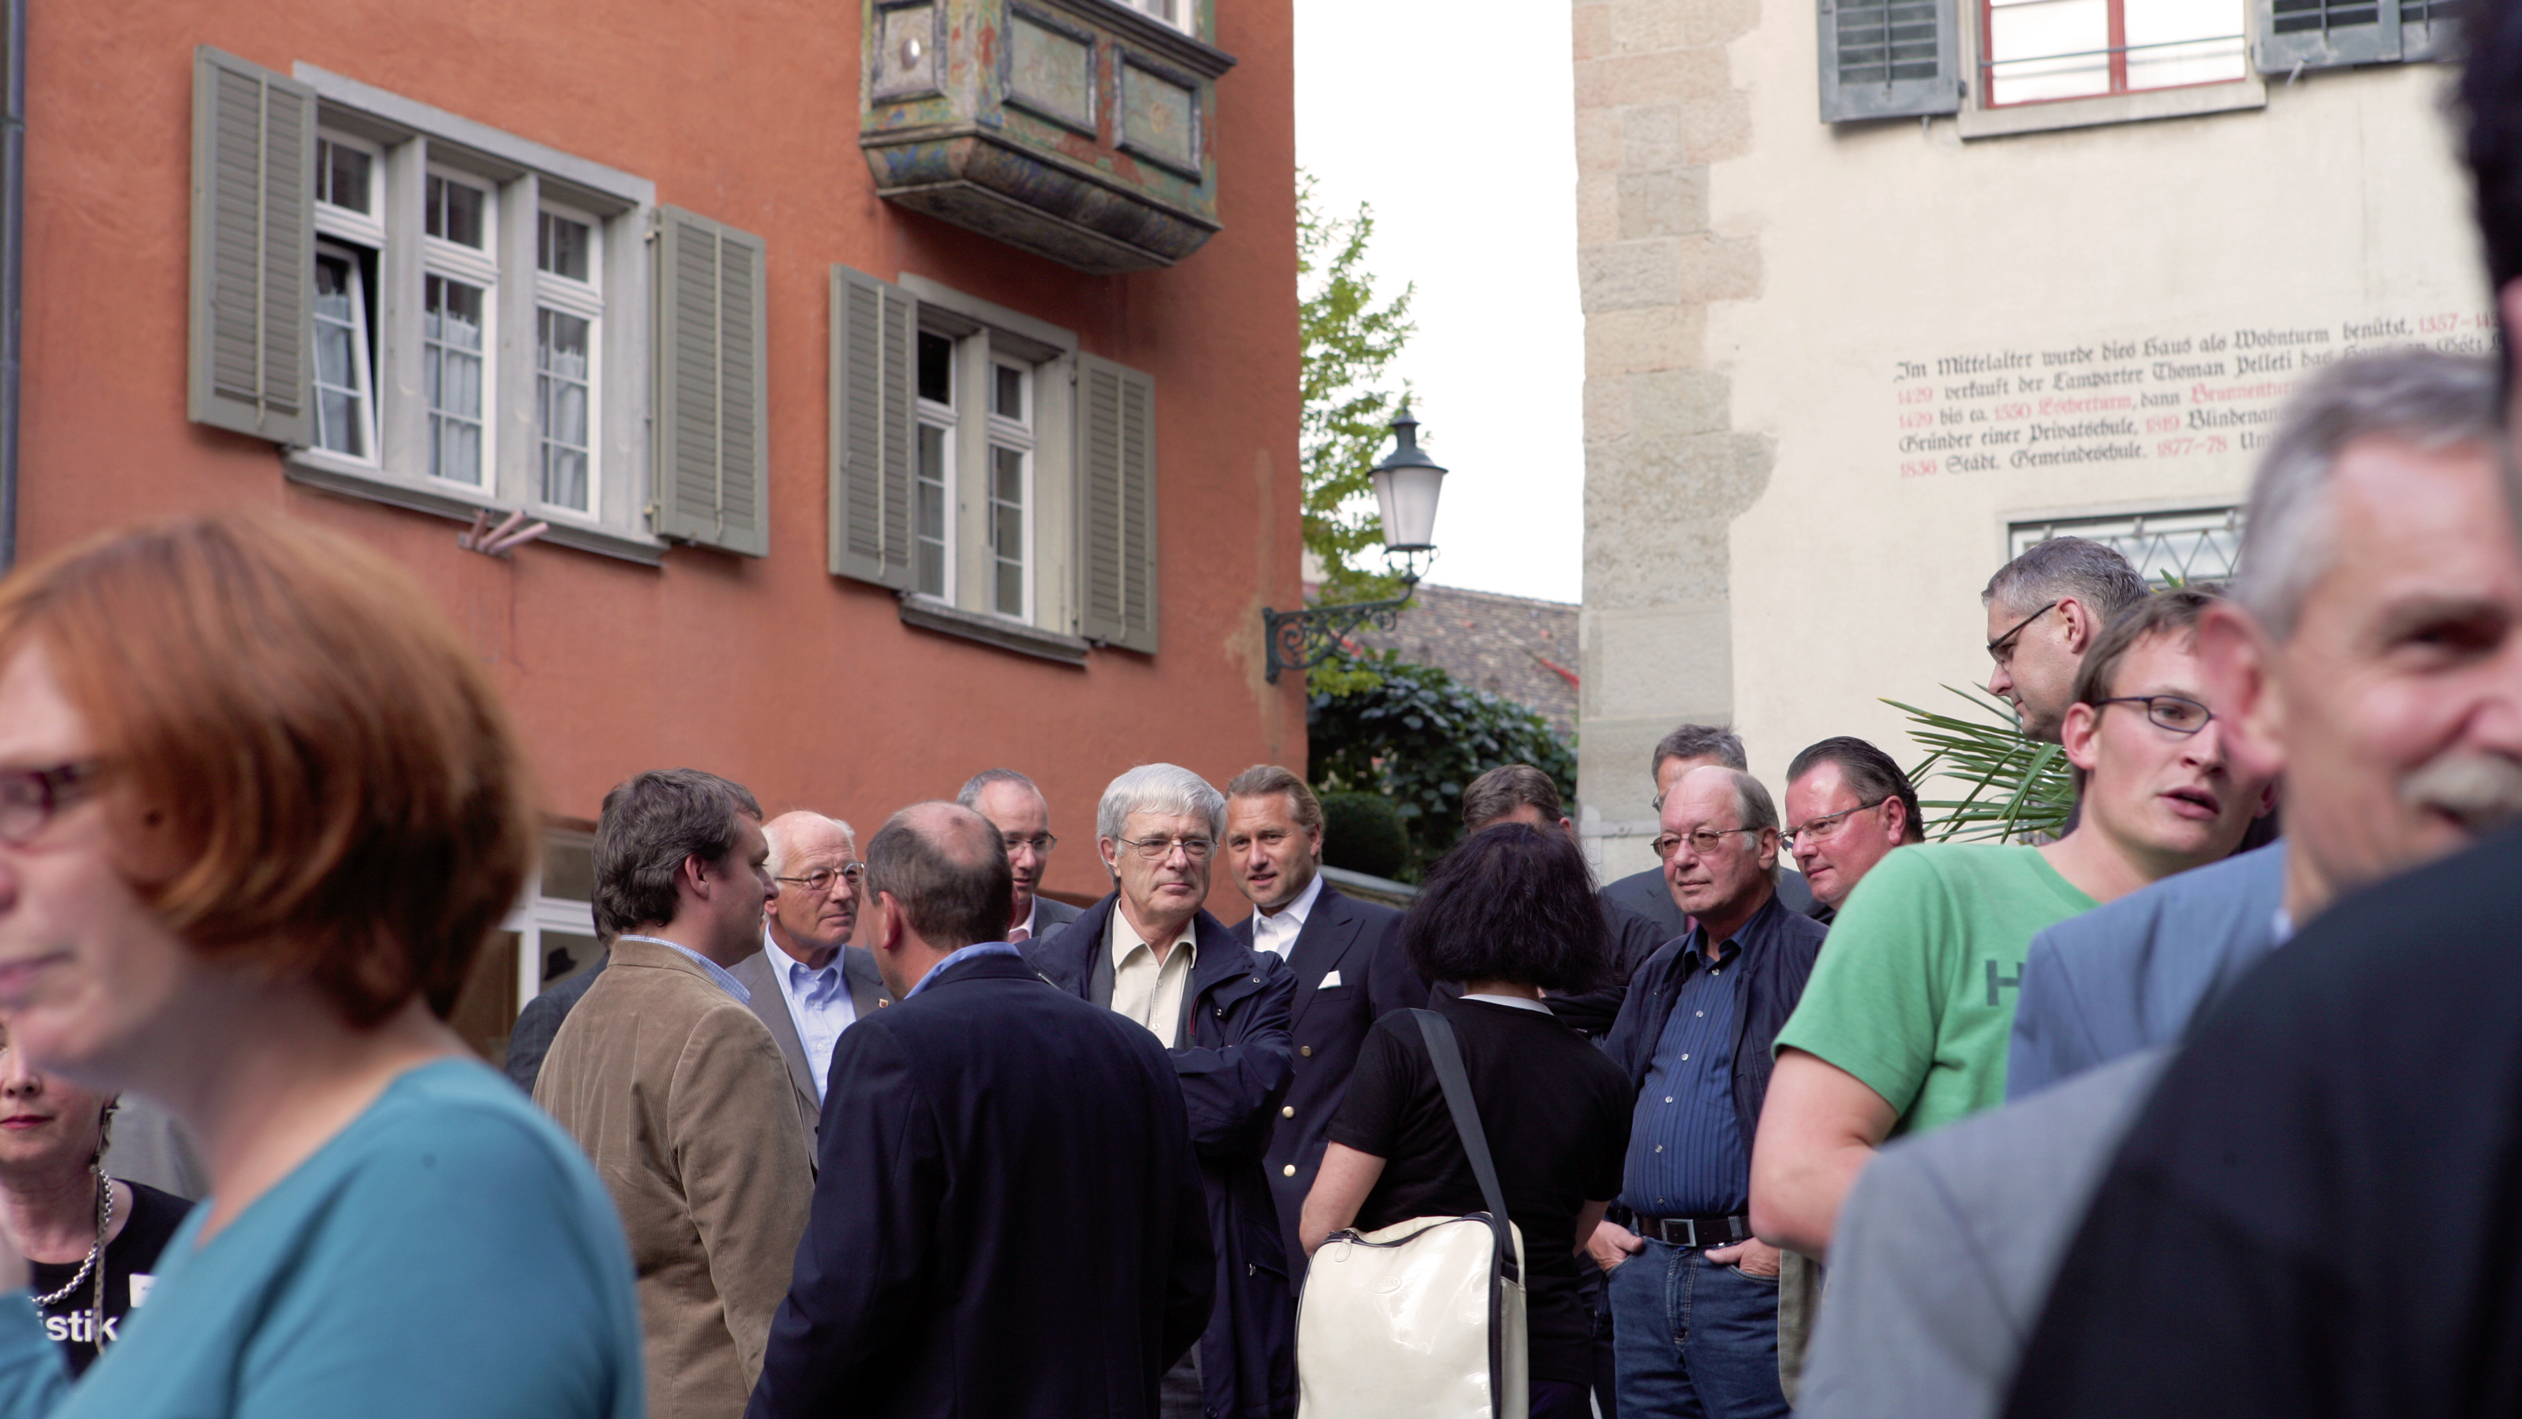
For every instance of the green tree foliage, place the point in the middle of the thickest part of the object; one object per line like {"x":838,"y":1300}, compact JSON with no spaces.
{"x":2019,"y":791}
{"x":1419,"y":737}
{"x":1349,"y":339}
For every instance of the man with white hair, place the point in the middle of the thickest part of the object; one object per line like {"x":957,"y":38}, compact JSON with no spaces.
{"x":1221,"y":1008}
{"x":808,"y":983}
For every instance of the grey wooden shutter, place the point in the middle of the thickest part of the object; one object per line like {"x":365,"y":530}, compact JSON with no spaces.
{"x":1116,"y":497}
{"x":712,"y":465}
{"x":2329,"y":34}
{"x":873,"y":329}
{"x":253,"y":250}
{"x":1889,"y":58}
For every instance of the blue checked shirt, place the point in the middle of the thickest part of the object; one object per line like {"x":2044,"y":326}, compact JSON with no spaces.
{"x":818,"y":1004}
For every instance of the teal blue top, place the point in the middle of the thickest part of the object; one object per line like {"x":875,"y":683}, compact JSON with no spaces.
{"x":449,"y":1253}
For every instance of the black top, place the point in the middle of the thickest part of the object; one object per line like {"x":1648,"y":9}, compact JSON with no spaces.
{"x":1556,"y":1112}
{"x":2320,"y":1209}
{"x":133,"y":1253}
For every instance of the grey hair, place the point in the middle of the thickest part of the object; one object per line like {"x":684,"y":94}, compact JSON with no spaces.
{"x":978,"y":784}
{"x":2056,"y":568}
{"x":1159,"y":788}
{"x":1699,"y":741}
{"x":1758,"y":810}
{"x":2431,"y":400}
{"x":778,"y":861}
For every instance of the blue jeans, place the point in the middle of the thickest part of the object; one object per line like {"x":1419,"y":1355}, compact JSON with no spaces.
{"x":1695,"y":1340}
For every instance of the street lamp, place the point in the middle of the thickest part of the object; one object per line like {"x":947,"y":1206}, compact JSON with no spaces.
{"x":1407,"y":484}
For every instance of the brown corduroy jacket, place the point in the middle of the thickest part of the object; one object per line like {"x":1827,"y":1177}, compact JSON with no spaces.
{"x":680,"y":1097}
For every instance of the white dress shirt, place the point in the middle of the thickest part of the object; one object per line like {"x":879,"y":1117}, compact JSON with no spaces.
{"x":1143,"y":989}
{"x":818,"y":1005}
{"x":1278,"y":933}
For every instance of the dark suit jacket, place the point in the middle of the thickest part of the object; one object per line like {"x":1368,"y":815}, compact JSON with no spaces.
{"x":1361,"y":942}
{"x":1050,"y":914}
{"x":540,"y":1020}
{"x":1009,"y":1219}
{"x":867,"y":995}
{"x":2132,"y":974}
{"x":1234,"y":1064}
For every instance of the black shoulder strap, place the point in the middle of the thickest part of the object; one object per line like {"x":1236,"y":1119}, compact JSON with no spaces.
{"x":1446,"y":1055}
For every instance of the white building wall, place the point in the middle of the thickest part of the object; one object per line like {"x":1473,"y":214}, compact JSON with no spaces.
{"x":2026,"y":294}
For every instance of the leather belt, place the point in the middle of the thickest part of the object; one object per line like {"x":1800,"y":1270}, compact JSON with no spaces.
{"x":1696,"y":1231}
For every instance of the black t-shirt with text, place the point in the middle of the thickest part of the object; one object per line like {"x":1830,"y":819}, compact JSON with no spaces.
{"x":1556,"y":1112}
{"x":131,"y":1260}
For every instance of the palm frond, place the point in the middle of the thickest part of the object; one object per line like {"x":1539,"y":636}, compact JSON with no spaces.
{"x":2019,"y":790}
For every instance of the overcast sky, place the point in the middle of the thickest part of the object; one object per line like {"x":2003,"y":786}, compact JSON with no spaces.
{"x":1457,"y":123}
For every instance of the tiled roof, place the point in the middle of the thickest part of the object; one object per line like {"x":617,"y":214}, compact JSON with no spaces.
{"x":1519,"y":647}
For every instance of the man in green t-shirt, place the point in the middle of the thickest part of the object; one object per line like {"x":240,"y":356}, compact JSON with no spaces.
{"x":1906,"y":1022}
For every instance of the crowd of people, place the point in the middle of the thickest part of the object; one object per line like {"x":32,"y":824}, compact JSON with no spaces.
{"x":2091,"y":1124}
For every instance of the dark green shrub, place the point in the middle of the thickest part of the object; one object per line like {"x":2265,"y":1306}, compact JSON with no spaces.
{"x":1363,"y":832}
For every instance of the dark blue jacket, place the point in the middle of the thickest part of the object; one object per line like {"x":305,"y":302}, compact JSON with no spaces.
{"x":1778,"y":949}
{"x":1008,"y":1220}
{"x":1360,"y":942}
{"x":1234,"y":1065}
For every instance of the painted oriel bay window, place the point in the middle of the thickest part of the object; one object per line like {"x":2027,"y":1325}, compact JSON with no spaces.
{"x":997,"y":478}
{"x":361,"y":262}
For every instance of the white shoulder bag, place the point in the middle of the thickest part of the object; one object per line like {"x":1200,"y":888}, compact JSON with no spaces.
{"x":1423,"y":1319}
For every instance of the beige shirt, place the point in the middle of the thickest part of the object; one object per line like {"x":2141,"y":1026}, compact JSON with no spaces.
{"x":1147,"y":992}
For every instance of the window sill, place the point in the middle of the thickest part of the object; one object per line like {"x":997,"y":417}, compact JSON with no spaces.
{"x":932,"y":615}
{"x":318,"y":469}
{"x":2190,"y":102}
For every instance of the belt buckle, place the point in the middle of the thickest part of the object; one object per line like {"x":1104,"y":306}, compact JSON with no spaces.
{"x":1690,"y":1229}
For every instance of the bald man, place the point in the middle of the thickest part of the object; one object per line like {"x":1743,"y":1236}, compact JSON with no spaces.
{"x":808,"y":983}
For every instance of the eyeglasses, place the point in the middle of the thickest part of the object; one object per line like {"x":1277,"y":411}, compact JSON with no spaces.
{"x":30,"y":797}
{"x":2001,"y":649}
{"x":2176,"y":713}
{"x":1702,"y":842}
{"x":1820,"y":829}
{"x":820,"y":879}
{"x":1041,"y":846}
{"x":1158,"y":849}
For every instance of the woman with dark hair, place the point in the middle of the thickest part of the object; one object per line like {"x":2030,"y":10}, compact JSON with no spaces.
{"x":1510,"y":913}
{"x":259,"y":809}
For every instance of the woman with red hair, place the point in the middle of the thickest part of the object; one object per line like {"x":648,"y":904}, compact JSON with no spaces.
{"x":259,"y":807}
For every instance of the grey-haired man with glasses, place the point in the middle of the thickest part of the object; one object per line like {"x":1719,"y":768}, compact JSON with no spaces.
{"x":1022,"y":816}
{"x":1221,"y":1008}
{"x":2045,"y":608}
{"x":808,"y":983}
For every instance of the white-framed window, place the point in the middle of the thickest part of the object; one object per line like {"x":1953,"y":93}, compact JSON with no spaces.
{"x":459,"y":292}
{"x":488,"y":325}
{"x":1010,"y":490}
{"x":2176,"y":546}
{"x":933,"y":472}
{"x":1183,"y":15}
{"x":568,"y":326}
{"x":2038,"y":50}
{"x":350,"y":231}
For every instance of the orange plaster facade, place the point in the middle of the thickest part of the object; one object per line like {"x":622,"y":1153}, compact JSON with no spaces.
{"x":804,"y":686}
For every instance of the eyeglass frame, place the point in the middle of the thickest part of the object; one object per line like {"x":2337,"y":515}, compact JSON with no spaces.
{"x":1787,"y":836}
{"x":1041,"y":845}
{"x":56,"y":787}
{"x":1664,"y":854}
{"x":1165,"y":847}
{"x":2148,"y":702}
{"x":2001,"y":650}
{"x":856,"y":872}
